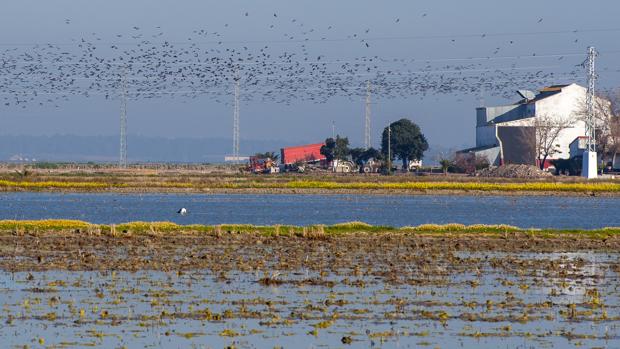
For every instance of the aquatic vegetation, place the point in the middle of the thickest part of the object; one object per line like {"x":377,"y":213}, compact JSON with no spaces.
{"x":182,"y":286}
{"x":323,"y":324}
{"x":229,"y":333}
{"x":190,"y":335}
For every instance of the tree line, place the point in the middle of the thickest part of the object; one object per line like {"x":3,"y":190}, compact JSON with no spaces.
{"x":402,"y":139}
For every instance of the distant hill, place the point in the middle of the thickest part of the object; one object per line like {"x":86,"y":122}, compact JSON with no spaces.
{"x":139,"y":148}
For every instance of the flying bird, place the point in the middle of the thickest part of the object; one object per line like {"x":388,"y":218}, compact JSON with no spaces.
{"x":185,"y":69}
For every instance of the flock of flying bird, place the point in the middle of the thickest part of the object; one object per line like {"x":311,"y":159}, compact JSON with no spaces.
{"x":206,"y":64}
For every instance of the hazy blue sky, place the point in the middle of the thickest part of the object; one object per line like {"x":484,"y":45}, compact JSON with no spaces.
{"x":445,"y":119}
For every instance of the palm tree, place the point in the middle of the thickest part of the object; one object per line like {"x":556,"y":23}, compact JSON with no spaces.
{"x":269,"y":154}
{"x":445,"y":165}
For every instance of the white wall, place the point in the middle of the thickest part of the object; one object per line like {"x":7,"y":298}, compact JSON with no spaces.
{"x":565,"y":105}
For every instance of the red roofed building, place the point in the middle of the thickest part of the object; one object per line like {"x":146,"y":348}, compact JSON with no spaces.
{"x":302,"y":153}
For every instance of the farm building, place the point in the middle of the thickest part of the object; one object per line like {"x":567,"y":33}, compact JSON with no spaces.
{"x":513,"y":134}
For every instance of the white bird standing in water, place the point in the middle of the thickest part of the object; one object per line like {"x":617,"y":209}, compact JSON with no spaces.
{"x":182,"y":211}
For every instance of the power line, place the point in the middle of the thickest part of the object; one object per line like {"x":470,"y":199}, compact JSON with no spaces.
{"x":325,"y":39}
{"x":317,"y":62}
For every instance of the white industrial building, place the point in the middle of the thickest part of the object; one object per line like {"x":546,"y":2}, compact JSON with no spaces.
{"x":508,"y":134}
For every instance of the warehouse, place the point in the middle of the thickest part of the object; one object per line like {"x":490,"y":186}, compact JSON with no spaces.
{"x":512,"y":134}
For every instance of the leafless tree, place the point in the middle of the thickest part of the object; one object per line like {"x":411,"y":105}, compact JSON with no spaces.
{"x":548,"y":129}
{"x":608,"y":123}
{"x":607,"y":118}
{"x":469,"y":163}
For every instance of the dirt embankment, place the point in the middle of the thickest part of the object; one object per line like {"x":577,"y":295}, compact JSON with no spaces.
{"x":230,"y":250}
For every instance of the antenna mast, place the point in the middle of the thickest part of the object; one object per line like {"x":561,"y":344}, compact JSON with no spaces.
{"x":122,"y":161}
{"x":367,"y":138}
{"x":236,"y":120}
{"x":589,"y":166}
{"x":591,"y":121}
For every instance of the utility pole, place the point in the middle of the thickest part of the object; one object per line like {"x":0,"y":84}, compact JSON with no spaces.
{"x":236,"y":120}
{"x":367,"y":138}
{"x":589,"y":165}
{"x":389,"y":149}
{"x":122,"y":161}
{"x":334,"y":130}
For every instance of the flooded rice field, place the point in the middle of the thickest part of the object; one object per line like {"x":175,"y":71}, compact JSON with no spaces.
{"x":522,"y":211}
{"x":65,"y":290}
{"x":227,"y":289}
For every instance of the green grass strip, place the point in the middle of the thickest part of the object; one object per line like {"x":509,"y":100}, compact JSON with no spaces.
{"x":166,"y":228}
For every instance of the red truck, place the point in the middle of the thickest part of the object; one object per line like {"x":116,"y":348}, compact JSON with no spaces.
{"x":302,"y":153}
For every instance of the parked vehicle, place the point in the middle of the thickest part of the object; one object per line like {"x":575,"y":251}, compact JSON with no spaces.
{"x":262,"y":165}
{"x":371,"y":166}
{"x":343,"y":166}
{"x":414,"y":165}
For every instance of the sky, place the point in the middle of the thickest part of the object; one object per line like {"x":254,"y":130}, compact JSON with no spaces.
{"x":401,"y":29}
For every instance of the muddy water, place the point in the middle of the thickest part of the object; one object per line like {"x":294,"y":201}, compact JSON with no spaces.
{"x":476,"y":303}
{"x":526,"y":212}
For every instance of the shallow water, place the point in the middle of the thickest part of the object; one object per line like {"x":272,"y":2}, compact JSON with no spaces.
{"x":526,"y":212}
{"x":167,"y":309}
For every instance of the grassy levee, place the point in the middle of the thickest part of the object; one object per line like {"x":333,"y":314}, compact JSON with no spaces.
{"x":35,"y":185}
{"x":465,"y":186}
{"x":99,"y":185}
{"x":168,"y":228}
